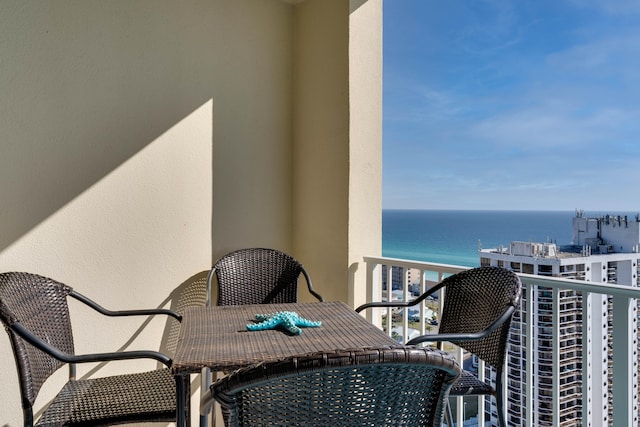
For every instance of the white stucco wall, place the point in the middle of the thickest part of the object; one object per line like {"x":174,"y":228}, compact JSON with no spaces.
{"x":139,"y":141}
{"x":338,"y":142}
{"x":321,"y":143}
{"x":252,"y":177}
{"x":114,"y":116}
{"x":365,"y":141}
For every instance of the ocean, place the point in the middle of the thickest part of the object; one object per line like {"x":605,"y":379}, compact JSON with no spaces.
{"x":453,"y":236}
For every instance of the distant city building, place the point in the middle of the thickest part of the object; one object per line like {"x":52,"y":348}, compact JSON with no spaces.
{"x":604,"y":250}
{"x":400,"y":280}
{"x":397,"y":274}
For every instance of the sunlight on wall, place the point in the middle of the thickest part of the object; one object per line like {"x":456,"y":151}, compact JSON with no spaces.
{"x":141,"y":231}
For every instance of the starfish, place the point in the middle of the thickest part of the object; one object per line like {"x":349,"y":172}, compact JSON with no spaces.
{"x":289,"y":320}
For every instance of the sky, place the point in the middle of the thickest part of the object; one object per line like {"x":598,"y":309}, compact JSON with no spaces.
{"x":511,"y":104}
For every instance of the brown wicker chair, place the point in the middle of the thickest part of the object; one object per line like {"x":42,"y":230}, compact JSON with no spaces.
{"x":478,"y":307}
{"x":258,"y":276}
{"x":397,"y":386}
{"x":35,"y":314}
{"x":255,"y":276}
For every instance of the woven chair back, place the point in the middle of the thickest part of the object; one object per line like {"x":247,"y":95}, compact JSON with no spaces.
{"x":369,"y":387}
{"x":473,"y":300}
{"x":257,"y":276}
{"x":40,"y":305}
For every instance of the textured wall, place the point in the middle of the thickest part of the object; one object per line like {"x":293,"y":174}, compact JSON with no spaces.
{"x":139,"y":141}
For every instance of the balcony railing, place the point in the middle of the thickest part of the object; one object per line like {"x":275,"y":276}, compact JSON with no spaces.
{"x":604,"y":343}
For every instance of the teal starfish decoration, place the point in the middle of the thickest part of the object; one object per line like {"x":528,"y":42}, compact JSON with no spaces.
{"x":289,"y":320}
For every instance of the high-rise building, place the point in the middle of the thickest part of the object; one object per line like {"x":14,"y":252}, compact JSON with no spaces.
{"x":401,"y":279}
{"x":604,"y":250}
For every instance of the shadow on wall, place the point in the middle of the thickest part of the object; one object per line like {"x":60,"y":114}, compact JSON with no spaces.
{"x":191,"y":292}
{"x":355,"y":4}
{"x":84,"y":88}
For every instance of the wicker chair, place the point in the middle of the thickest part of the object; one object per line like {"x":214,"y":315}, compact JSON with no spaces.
{"x":258,"y":276}
{"x":478,"y":307}
{"x":36,"y":316}
{"x":396,"y":386}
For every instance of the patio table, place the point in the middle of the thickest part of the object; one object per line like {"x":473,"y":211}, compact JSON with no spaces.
{"x":217,"y":337}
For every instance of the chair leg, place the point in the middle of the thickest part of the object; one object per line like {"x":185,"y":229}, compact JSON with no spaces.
{"x":499,"y":400}
{"x":183,"y":400}
{"x":28,"y":417}
{"x":187,"y":403}
{"x":500,"y":408}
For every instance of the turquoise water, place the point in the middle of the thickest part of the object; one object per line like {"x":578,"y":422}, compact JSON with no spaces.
{"x":453,"y":236}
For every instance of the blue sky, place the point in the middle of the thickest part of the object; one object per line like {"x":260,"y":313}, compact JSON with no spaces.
{"x":511,"y":104}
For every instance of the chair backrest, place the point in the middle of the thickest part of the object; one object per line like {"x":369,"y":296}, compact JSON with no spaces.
{"x":372,"y":387}
{"x":476,"y":298}
{"x":40,"y":305}
{"x":257,"y":276}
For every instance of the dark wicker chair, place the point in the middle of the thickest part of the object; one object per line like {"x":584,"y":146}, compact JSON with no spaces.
{"x":35,"y":314}
{"x":255,"y":276}
{"x":258,"y":276}
{"x":478,"y":307}
{"x":405,"y":386}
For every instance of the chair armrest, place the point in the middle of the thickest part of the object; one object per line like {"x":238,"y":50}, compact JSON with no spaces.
{"x":471,"y":336}
{"x":411,"y":303}
{"x":85,"y":358}
{"x":447,"y":337}
{"x":106,"y":312}
{"x":310,"y":286}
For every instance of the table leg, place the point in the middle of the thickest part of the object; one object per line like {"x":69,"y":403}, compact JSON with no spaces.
{"x":205,"y":382}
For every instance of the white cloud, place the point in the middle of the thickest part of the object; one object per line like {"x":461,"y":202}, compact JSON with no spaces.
{"x":551,"y":128}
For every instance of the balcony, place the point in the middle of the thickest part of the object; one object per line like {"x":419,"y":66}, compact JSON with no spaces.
{"x":567,"y":379}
